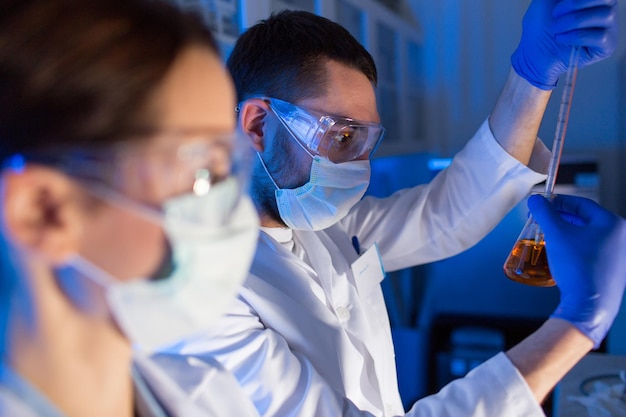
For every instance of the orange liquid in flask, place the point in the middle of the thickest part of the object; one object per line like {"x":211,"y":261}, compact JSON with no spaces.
{"x":528,"y":264}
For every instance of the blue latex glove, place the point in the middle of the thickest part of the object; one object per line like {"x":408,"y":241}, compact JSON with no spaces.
{"x":551,"y":27}
{"x":586,"y":249}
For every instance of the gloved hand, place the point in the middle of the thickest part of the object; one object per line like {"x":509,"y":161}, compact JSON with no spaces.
{"x":586,"y":249}
{"x":551,"y":27}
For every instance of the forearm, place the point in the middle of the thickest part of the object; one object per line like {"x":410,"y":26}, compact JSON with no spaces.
{"x":516,"y":118}
{"x":548,"y":354}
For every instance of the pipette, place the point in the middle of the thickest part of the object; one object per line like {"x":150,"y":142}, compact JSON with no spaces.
{"x":561,"y":125}
{"x":527,"y":263}
{"x":561,"y":128}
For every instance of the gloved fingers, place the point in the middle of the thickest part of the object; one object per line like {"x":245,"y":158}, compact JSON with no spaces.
{"x":588,"y":211}
{"x":546,"y":215}
{"x":595,"y":18}
{"x":564,"y":7}
{"x":581,"y":211}
{"x":558,"y":216}
{"x":596,"y":43}
{"x":591,"y":24}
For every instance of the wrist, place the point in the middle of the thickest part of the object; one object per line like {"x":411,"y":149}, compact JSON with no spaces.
{"x":526,"y":69}
{"x":592,"y":322}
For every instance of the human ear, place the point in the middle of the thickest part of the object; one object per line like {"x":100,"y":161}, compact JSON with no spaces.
{"x":252,"y":115}
{"x":39,"y":210}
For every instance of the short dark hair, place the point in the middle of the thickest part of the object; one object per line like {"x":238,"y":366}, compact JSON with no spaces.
{"x":80,"y":72}
{"x":284,"y":56}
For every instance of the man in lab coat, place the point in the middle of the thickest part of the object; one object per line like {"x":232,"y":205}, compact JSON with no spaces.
{"x":309,"y":334}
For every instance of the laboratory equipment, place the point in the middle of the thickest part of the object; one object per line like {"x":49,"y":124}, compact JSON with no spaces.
{"x":528,"y":263}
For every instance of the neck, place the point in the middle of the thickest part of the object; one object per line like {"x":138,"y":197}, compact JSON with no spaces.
{"x":268,"y":221}
{"x":80,"y":362}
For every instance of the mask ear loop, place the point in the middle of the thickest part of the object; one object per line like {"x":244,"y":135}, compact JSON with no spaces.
{"x":87,"y":269}
{"x":267,"y":171}
{"x":119,"y":200}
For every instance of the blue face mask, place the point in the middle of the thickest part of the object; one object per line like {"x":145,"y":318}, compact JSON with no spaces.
{"x":332,"y":190}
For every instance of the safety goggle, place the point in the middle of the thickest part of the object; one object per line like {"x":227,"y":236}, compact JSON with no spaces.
{"x":197,"y":165}
{"x":338,"y":139}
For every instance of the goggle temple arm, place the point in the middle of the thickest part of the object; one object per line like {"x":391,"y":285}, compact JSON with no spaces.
{"x":302,"y":126}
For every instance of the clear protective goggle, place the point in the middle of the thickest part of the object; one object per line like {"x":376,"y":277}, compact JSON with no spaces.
{"x":196,"y":166}
{"x":338,"y":139}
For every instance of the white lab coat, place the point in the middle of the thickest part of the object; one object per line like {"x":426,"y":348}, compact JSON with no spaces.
{"x":165,"y":386}
{"x":307,"y":338}
{"x":186,"y":386}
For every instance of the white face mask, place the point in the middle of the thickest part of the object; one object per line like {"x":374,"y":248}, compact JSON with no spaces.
{"x":212,"y":244}
{"x":332,"y":190}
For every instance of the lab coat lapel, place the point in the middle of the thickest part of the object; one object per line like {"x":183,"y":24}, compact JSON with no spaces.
{"x":289,"y":298}
{"x":277,"y":266}
{"x":318,"y":249}
{"x":369,"y":322}
{"x":369,"y":292}
{"x":331,"y":254}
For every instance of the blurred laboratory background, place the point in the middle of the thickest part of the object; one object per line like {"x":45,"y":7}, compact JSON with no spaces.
{"x":441,"y":67}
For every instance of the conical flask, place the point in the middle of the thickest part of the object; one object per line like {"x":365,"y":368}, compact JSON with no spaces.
{"x":527,"y":263}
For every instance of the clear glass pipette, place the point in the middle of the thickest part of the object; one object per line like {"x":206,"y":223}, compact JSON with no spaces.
{"x":561,"y":125}
{"x":527,"y":263}
{"x":561,"y":128}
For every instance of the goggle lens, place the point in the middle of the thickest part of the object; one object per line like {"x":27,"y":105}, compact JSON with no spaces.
{"x":338,"y":139}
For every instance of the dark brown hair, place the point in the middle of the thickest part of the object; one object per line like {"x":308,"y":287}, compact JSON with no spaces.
{"x":284,"y":56}
{"x":78,"y":73}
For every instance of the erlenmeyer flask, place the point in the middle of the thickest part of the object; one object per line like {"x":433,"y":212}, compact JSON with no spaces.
{"x":527,"y":263}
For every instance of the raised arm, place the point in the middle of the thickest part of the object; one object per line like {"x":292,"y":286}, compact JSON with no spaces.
{"x":550,"y":29}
